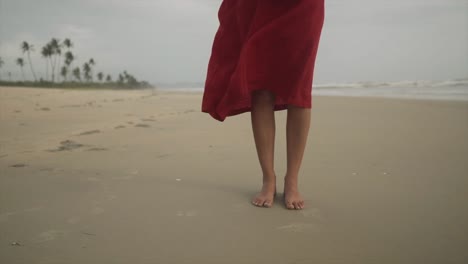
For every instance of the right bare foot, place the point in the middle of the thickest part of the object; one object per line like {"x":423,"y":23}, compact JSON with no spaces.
{"x":266,"y":196}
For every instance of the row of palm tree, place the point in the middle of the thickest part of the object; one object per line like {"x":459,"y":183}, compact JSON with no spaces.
{"x":56,"y":51}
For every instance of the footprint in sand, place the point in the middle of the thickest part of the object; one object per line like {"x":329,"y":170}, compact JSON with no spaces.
{"x":148,"y":119}
{"x":130,"y":122}
{"x":118,"y":127}
{"x":44,"y":108}
{"x":18,"y":165}
{"x":313,"y":213}
{"x":17,"y":111}
{"x":89,"y":132}
{"x":72,"y":105}
{"x":67,"y":145}
{"x":97,"y":149}
{"x":162,"y":156}
{"x":147,"y":96}
{"x":49,"y":235}
{"x":129,"y":176}
{"x":118,"y":100}
{"x":142,"y":125}
{"x":300,"y":227}
{"x":47,"y":169}
{"x":189,"y":111}
{"x":187,"y":213}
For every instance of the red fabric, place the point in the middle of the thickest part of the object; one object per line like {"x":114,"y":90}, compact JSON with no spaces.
{"x":262,"y":44}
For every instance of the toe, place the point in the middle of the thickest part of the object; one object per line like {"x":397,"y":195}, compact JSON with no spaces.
{"x":255,"y":202}
{"x":260,"y":202}
{"x":296,"y":205}
{"x":302,"y":204}
{"x":289,"y":205}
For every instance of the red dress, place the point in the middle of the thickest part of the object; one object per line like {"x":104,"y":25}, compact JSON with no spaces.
{"x":262,"y":44}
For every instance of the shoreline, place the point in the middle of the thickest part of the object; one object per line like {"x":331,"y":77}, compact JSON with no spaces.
{"x":329,"y":91}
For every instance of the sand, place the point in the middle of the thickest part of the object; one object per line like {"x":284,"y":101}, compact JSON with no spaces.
{"x":144,"y":177}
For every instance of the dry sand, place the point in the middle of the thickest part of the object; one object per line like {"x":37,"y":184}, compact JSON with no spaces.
{"x":140,"y":177}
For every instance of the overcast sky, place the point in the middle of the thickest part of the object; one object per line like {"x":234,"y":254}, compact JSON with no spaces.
{"x":164,"y":41}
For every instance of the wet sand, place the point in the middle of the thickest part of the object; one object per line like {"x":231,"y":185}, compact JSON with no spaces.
{"x":91,"y":176}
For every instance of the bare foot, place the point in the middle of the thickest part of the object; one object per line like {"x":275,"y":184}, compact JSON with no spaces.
{"x":266,"y":196}
{"x":291,"y":195}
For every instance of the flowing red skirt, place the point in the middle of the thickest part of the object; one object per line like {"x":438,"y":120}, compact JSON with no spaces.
{"x":262,"y":44}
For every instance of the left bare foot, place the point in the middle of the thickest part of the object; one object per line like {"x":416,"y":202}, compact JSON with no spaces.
{"x":291,"y":195}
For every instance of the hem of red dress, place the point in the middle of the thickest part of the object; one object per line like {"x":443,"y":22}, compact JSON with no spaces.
{"x":245,"y":106}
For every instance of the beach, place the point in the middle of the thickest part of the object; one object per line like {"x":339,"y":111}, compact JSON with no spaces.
{"x":143,"y":176}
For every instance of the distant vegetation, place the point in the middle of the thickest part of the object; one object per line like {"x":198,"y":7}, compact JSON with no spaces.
{"x":62,"y":71}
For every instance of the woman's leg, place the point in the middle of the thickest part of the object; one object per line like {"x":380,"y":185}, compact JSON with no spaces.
{"x":297,"y":130}
{"x":263,"y":126}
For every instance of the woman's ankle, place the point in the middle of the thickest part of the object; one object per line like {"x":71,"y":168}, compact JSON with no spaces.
{"x":291,"y":181}
{"x":269,"y":179}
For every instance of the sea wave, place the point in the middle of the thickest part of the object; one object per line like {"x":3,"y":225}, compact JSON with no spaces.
{"x":456,"y":89}
{"x":406,"y":84}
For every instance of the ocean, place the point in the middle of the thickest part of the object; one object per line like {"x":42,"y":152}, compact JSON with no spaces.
{"x":434,"y":90}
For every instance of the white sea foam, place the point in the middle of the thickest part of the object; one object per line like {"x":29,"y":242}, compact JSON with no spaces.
{"x":441,"y":90}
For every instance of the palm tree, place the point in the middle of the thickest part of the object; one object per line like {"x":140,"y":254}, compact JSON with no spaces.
{"x":69,"y":59}
{"x":27,"y":48}
{"x":132,"y":81}
{"x":77,"y":74}
{"x":108,"y":78}
{"x":56,"y":52}
{"x":20,"y":62}
{"x":87,"y":71}
{"x":68,"y":55}
{"x":47,"y":53}
{"x":91,"y":65}
{"x":125,"y":75}
{"x":100,"y":76}
{"x":1,"y":64}
{"x":121,"y":78}
{"x":67,"y":43}
{"x":64,"y":72}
